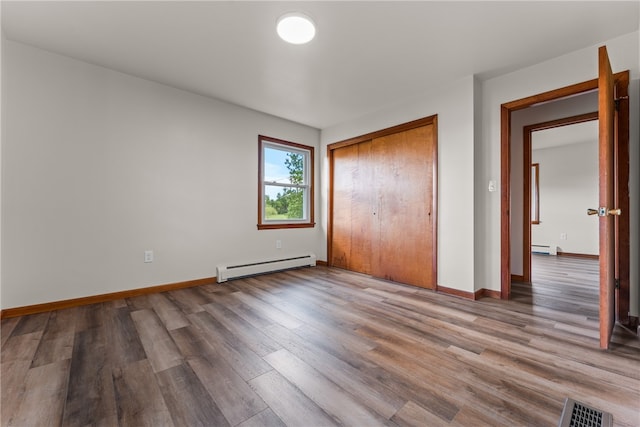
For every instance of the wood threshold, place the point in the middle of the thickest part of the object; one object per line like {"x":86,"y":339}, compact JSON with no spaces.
{"x":94,"y":299}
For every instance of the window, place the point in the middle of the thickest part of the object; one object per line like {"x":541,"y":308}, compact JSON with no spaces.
{"x":285,"y":189}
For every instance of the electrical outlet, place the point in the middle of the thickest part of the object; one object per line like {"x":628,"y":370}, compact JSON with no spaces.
{"x":563,"y":236}
{"x":148,"y":256}
{"x":278,"y":244}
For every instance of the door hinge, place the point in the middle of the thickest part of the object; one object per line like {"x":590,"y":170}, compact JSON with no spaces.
{"x":617,"y":283}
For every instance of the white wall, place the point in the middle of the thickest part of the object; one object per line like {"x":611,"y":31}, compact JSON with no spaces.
{"x":569,"y":69}
{"x":581,"y":104}
{"x":454,"y":106}
{"x":568,"y":184}
{"x":98,"y":166}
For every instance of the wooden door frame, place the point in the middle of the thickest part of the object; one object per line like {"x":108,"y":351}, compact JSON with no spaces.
{"x":622,"y":179}
{"x":430,"y":120}
{"x":527,"y":151}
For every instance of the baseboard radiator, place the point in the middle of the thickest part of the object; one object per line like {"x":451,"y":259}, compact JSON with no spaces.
{"x":227,"y":272}
{"x":544,"y":249}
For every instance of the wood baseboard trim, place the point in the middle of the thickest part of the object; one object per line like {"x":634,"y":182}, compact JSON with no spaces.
{"x":587,"y":256}
{"x":95,"y":299}
{"x":634,"y":324}
{"x":321,"y":263}
{"x":517,"y":278}
{"x":480,"y":293}
{"x":487,"y":293}
{"x":455,"y":292}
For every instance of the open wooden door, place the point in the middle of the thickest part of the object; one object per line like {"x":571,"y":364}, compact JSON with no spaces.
{"x":606,"y":212}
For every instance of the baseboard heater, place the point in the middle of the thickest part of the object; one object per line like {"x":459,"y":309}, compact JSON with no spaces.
{"x":544,"y":249}
{"x":226,"y":272}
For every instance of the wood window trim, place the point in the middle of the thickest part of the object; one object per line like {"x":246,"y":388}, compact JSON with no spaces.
{"x":309,"y":222}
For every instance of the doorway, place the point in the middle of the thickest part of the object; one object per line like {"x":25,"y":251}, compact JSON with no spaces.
{"x":561,"y":244}
{"x":621,"y":81}
{"x":560,"y":183}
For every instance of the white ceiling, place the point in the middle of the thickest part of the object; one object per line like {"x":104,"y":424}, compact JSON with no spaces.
{"x":565,"y":135}
{"x":366,"y":56}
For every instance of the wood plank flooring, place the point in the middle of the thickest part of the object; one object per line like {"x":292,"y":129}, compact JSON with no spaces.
{"x":316,"y":347}
{"x":562,"y":283}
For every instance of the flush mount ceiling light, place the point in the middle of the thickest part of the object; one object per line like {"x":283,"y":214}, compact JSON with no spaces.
{"x":296,"y":28}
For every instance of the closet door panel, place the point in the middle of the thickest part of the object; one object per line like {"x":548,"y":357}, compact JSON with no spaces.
{"x":352,"y":207}
{"x":402,"y":239}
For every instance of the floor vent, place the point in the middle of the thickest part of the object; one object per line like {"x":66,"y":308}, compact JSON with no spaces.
{"x":576,"y":414}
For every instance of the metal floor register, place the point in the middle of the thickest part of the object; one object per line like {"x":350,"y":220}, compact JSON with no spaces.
{"x":576,"y":414}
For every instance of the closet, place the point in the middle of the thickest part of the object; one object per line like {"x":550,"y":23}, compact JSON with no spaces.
{"x":383,"y":203}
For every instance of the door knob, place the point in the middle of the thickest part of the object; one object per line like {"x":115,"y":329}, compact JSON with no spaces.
{"x":604,"y":211}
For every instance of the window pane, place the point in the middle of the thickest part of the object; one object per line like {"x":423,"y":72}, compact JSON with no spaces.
{"x":284,"y":203}
{"x":283,"y":167}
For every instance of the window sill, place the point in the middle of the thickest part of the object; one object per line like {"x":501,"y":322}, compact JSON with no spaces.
{"x":286,"y":225}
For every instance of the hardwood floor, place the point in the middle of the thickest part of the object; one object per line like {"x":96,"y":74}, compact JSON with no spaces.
{"x":314,"y":347}
{"x":564,"y":283}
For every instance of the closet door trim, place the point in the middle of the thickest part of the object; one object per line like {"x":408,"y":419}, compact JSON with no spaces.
{"x":384,"y":132}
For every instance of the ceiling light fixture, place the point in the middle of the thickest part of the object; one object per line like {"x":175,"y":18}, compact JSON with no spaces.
{"x":296,"y":28}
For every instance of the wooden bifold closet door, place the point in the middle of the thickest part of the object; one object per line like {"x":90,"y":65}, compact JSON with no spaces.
{"x":383,"y":216}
